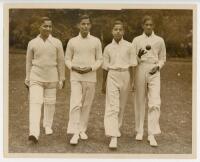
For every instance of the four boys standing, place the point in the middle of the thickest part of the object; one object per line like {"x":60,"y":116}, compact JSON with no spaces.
{"x":83,"y":57}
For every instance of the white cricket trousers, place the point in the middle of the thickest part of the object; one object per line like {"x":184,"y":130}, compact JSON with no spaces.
{"x":147,"y":89}
{"x":41,"y":93}
{"x":118,"y":83}
{"x":82,"y":95}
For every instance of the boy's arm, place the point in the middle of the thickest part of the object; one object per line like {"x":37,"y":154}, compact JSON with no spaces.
{"x":29,"y":57}
{"x":105,"y":69}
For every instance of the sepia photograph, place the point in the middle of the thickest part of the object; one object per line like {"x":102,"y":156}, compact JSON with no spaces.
{"x":100,"y":80}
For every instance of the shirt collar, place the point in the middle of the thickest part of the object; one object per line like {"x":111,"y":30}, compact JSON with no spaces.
{"x":152,"y":34}
{"x":49,"y":37}
{"x":88,"y":36}
{"x":120,"y":42}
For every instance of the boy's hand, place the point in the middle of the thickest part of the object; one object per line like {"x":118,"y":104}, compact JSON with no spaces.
{"x":141,"y":53}
{"x":26,"y":84}
{"x":81,"y":70}
{"x":154,"y":70}
{"x":61,"y":84}
{"x":86,"y":70}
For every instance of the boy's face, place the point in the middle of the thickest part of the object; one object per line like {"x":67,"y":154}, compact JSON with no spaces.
{"x":84,"y":27}
{"x":118,"y":32}
{"x":148,"y":27}
{"x":46,"y":28}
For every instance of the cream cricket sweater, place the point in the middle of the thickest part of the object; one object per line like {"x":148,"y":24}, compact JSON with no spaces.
{"x":45,"y":60}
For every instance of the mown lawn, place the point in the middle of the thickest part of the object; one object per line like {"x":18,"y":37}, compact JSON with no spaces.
{"x":175,"y":120}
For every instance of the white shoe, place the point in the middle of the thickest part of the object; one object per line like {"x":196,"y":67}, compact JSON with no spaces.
{"x":74,"y":139}
{"x":152,"y":141}
{"x":83,"y":136}
{"x":139,"y":137}
{"x":113,"y":143}
{"x":48,"y":131}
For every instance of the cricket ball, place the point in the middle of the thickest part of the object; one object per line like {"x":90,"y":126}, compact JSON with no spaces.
{"x":148,"y":47}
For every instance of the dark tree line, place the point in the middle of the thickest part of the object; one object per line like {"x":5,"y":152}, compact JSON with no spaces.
{"x":175,"y":26}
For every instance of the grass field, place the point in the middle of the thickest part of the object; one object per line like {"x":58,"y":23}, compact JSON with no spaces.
{"x":175,"y":120}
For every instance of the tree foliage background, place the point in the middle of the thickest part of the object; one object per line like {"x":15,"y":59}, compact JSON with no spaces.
{"x":175,"y":26}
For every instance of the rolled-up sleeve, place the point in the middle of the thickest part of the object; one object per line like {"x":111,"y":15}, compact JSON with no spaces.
{"x":106,"y":59}
{"x":133,"y":56}
{"x":99,"y":57}
{"x":61,"y":62}
{"x":69,"y":55}
{"x":29,"y":57}
{"x":162,"y":55}
{"x":134,"y":52}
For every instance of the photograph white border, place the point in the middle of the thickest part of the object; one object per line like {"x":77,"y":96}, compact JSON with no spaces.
{"x":100,"y":6}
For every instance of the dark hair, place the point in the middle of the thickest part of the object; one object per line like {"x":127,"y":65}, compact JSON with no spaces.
{"x":43,"y":19}
{"x":146,"y":18}
{"x":118,"y":22}
{"x":85,"y":16}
